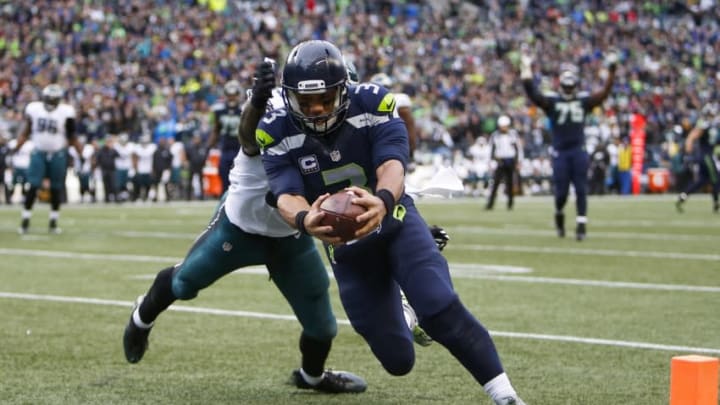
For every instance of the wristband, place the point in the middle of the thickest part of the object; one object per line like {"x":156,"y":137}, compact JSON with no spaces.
{"x":300,"y":221}
{"x":387,"y":198}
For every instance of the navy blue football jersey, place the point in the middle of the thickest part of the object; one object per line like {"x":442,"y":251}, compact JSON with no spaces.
{"x":228,"y":119}
{"x":709,"y":138}
{"x":566,"y":114}
{"x":371,"y":134}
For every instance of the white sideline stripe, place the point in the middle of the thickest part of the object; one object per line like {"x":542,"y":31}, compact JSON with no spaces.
{"x":607,"y":342}
{"x":89,"y":256}
{"x":595,"y":234}
{"x":591,"y":252}
{"x":247,"y":314}
{"x":599,"y":283}
{"x":459,"y":270}
{"x":475,"y":230}
{"x":158,"y":235}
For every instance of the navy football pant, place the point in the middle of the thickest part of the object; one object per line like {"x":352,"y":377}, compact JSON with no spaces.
{"x":707,"y":174}
{"x":571,"y":166}
{"x":369,"y":274}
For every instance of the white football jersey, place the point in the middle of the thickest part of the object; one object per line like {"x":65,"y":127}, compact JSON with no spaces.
{"x":276,"y":99}
{"x":145,"y":157}
{"x":177,"y":149}
{"x":124,"y":160}
{"x":402,"y":100}
{"x":245,"y":204}
{"x":48,"y":127}
{"x":88,"y":151}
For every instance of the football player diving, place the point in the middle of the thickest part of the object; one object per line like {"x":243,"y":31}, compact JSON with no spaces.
{"x":246,"y":231}
{"x":332,"y":136}
{"x":566,"y":112}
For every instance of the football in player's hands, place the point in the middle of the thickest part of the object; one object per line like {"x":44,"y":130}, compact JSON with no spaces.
{"x":341,"y":214}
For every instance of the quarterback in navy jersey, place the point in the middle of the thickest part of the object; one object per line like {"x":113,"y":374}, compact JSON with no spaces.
{"x":226,"y":117}
{"x":566,"y":112}
{"x":333,"y":136}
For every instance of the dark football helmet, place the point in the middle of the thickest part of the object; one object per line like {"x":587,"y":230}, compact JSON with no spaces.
{"x":232,"y":92}
{"x":316,"y":67}
{"x":51,"y":96}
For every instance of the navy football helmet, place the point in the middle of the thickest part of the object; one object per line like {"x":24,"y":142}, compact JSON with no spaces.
{"x":316,"y":67}
{"x":51,"y":96}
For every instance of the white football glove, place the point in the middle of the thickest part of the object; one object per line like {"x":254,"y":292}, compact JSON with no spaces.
{"x":525,"y":66}
{"x":611,"y":58}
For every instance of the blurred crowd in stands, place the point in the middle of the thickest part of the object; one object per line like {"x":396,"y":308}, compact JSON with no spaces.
{"x":133,"y":68}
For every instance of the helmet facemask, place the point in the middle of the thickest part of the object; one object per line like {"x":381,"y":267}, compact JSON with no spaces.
{"x":334,"y":98}
{"x":568,"y":83}
{"x":316,"y":74}
{"x":232,"y":92}
{"x":51,"y":96}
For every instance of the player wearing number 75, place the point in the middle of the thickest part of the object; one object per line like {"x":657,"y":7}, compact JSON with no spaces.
{"x":566,"y":112}
{"x":333,"y":135}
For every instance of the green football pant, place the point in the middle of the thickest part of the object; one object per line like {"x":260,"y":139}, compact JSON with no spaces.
{"x":293,"y":262}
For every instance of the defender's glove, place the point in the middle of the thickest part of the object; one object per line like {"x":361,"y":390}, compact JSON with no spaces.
{"x":526,"y":62}
{"x":264,"y":82}
{"x":441,"y":237}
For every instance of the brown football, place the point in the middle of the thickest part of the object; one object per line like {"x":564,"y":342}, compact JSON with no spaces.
{"x":340,"y":213}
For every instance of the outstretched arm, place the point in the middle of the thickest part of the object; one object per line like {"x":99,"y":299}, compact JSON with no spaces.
{"x":597,"y":98}
{"x":255,"y":107}
{"x":692,"y":136}
{"x":527,"y":80}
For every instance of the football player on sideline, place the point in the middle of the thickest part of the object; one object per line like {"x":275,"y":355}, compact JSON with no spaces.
{"x":246,"y":231}
{"x":332,"y":136}
{"x":705,"y":133}
{"x":226,"y":121}
{"x":566,"y":112}
{"x":50,"y":125}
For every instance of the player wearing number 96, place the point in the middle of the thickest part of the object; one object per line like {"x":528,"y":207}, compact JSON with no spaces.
{"x":566,"y":112}
{"x":332,"y":135}
{"x":50,"y":125}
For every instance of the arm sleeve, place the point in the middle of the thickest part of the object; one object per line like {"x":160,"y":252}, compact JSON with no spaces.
{"x":390,"y":141}
{"x":70,"y":128}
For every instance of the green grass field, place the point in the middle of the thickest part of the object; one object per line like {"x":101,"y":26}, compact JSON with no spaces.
{"x":585,"y":323}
